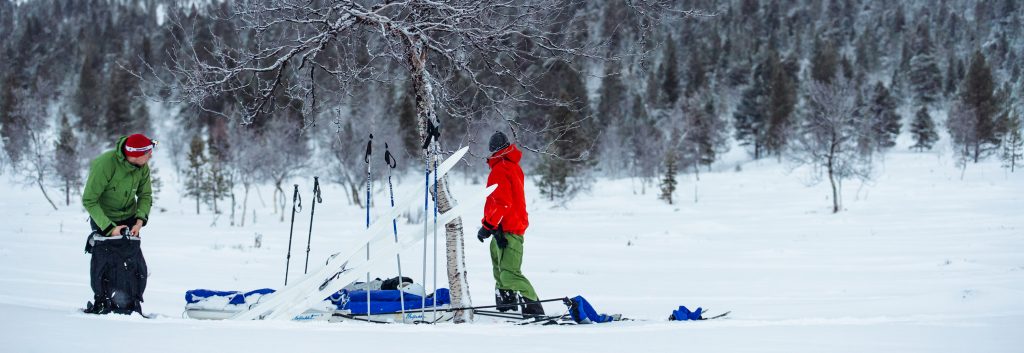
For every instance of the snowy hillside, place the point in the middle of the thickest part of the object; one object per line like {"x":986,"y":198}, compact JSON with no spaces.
{"x":919,"y":261}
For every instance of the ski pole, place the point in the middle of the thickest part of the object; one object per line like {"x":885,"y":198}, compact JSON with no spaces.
{"x":366,"y":158}
{"x":296,"y":207}
{"x":433,"y":133}
{"x":436,"y":196}
{"x":392,"y":163}
{"x":312,"y":210}
{"x":428,"y":153}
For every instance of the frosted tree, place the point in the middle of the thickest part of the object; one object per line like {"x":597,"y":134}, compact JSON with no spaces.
{"x":923,"y":130}
{"x":36,"y":163}
{"x":642,"y":137}
{"x":246,"y":162}
{"x":962,"y":124}
{"x":612,"y":113}
{"x":828,"y":136}
{"x":284,"y":153}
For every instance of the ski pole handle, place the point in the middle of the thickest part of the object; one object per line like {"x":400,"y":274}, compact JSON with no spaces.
{"x":369,"y":149}
{"x":296,"y":200}
{"x":316,"y":189}
{"x":433,"y":133}
{"x":388,"y":158}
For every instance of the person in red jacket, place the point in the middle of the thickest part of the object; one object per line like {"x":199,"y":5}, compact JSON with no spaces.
{"x":506,"y":219}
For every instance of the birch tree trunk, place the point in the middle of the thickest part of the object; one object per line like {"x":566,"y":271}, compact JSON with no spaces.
{"x":454,"y":254}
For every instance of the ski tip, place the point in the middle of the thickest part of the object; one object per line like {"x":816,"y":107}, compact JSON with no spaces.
{"x":460,"y":153}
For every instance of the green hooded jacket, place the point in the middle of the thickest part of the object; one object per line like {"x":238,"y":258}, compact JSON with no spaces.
{"x":117,"y":190}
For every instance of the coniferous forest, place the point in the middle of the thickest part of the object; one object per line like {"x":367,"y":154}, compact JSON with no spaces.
{"x":648,"y":90}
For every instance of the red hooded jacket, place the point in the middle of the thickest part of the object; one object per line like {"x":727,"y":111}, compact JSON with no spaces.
{"x":506,"y":205}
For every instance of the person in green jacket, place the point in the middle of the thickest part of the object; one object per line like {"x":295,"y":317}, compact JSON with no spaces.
{"x":118,"y":193}
{"x":118,"y":197}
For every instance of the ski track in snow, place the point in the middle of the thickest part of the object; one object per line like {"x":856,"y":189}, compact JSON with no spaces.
{"x":918,"y":261}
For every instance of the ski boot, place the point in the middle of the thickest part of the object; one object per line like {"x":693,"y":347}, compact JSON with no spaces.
{"x":532,"y":308}
{"x":98,"y":306}
{"x":506,"y":300}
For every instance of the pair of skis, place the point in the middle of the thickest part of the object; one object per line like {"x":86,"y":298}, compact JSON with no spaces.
{"x":294,"y":299}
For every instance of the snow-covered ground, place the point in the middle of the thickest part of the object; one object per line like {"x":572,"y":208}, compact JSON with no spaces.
{"x":919,"y":261}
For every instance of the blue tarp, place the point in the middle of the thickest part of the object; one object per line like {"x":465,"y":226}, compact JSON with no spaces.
{"x":236,"y":297}
{"x":386,"y":301}
{"x":381,"y":301}
{"x":684,"y":314}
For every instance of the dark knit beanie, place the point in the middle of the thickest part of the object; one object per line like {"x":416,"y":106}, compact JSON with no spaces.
{"x":498,"y":142}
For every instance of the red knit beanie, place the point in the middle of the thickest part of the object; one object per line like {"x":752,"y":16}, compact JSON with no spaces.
{"x":137,"y":145}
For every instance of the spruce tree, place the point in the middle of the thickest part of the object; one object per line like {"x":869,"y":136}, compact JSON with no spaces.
{"x":925,"y":78}
{"x":13,"y":125}
{"x":781,"y":104}
{"x":67,"y":164}
{"x":951,"y":77}
{"x":612,"y":94}
{"x":750,"y":117}
{"x":670,"y":79}
{"x":978,"y":94}
{"x":696,"y":77}
{"x":88,"y":102}
{"x":764,"y":115}
{"x":563,"y":165}
{"x":705,"y":131}
{"x":668,"y":181}
{"x":824,"y":61}
{"x":119,"y":119}
{"x":219,"y":181}
{"x":1013,"y":144}
{"x":885,"y":122}
{"x":923,"y":130}
{"x":195,"y":176}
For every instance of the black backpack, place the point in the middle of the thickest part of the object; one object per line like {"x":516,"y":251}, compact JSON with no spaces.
{"x":118,"y":274}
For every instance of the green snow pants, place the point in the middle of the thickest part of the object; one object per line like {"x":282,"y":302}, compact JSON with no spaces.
{"x":507,"y":265}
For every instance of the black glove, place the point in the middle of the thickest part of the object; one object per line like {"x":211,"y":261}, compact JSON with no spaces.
{"x":483,"y":233}
{"x":499,"y":237}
